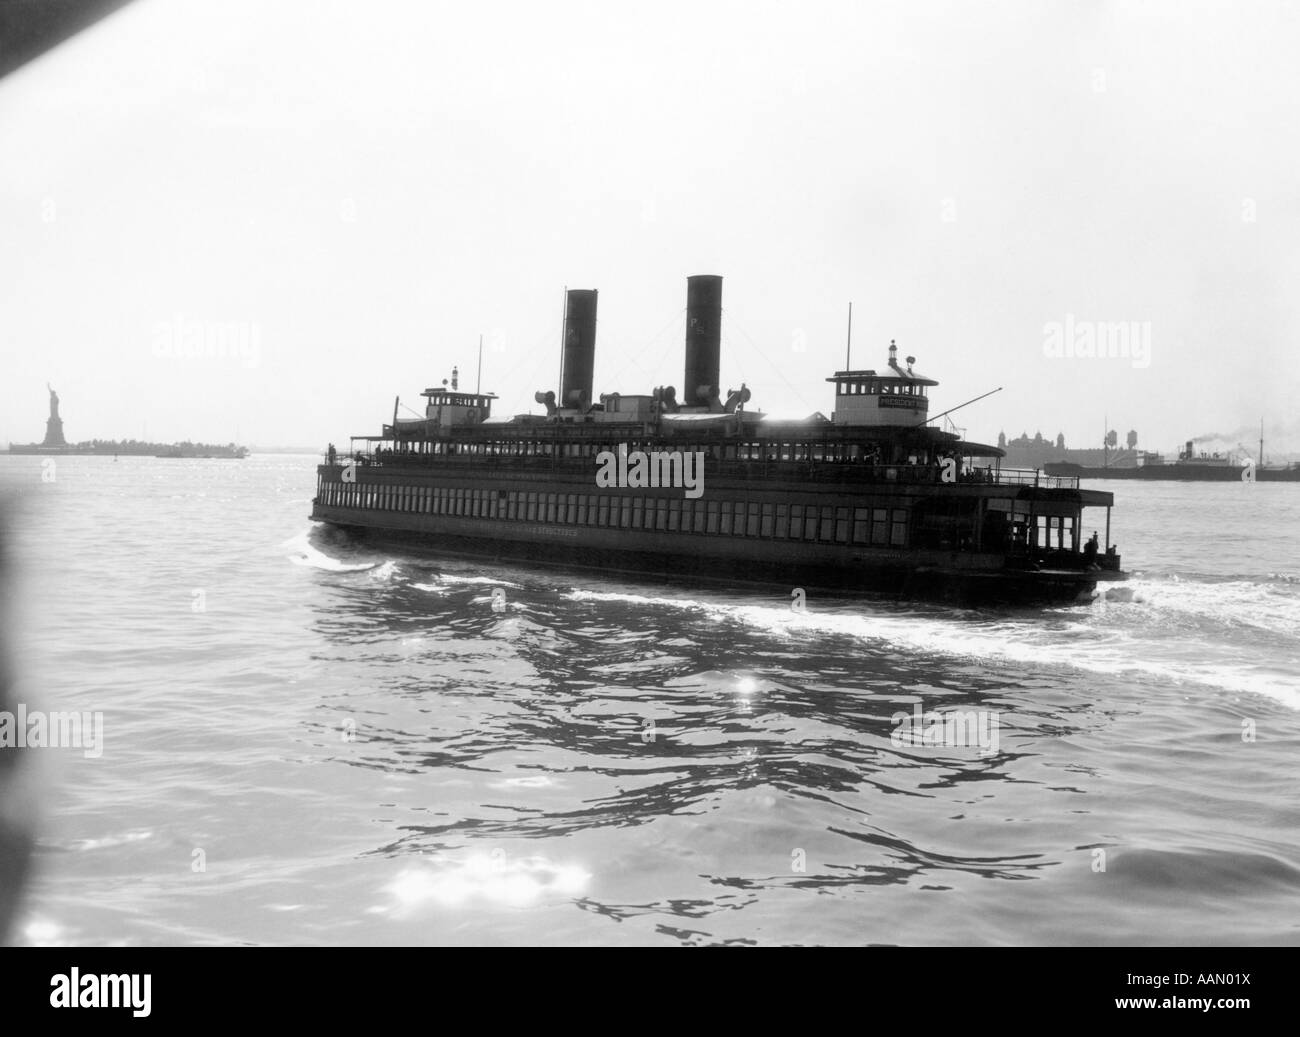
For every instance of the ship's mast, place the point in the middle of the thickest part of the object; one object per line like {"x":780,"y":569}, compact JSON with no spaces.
{"x":478,"y":381}
{"x":848,"y":346}
{"x":564,"y":309}
{"x":1261,"y":443}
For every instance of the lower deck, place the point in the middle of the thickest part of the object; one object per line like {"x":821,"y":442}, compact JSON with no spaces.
{"x":975,"y":541}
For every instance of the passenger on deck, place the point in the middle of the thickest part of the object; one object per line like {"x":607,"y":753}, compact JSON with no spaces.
{"x":1090,"y":550}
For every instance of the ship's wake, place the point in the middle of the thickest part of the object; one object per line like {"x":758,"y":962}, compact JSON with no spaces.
{"x":1183,"y":629}
{"x":301,"y":551}
{"x":1180,"y":631}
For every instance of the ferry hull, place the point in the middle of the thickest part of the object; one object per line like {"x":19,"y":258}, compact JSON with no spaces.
{"x":960,"y":578}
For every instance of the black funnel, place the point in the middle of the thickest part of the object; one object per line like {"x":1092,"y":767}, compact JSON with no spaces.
{"x":703,"y":338}
{"x":579,"y":347}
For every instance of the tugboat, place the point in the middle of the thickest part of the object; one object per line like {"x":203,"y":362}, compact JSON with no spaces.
{"x":873,"y":499}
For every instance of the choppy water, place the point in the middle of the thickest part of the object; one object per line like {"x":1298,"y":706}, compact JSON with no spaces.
{"x":350,"y":746}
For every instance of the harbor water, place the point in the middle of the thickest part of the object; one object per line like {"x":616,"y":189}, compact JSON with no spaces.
{"x":307,"y":740}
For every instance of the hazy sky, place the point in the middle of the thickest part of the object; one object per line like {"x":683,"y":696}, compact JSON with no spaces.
{"x":341,"y":197}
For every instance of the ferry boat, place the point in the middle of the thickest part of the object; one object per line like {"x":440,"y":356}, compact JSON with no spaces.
{"x":873,"y":499}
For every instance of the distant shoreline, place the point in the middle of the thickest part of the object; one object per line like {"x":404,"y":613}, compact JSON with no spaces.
{"x":133,"y":448}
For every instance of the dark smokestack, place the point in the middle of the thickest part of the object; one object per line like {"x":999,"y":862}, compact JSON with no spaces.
{"x":703,"y":338}
{"x":579,"y":348}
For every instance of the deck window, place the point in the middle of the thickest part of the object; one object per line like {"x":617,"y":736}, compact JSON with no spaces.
{"x":712,"y":524}
{"x":674,"y":515}
{"x":752,"y":525}
{"x":827,"y":531}
{"x":809,"y":522}
{"x":898,"y":531}
{"x":879,"y":527}
{"x":724,"y":518}
{"x":861,"y":525}
{"x":841,"y":525}
{"x":603,"y":512}
{"x":769,"y":512}
{"x":796,"y":521}
{"x":781,"y":529}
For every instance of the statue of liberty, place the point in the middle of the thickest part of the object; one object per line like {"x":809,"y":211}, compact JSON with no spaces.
{"x":54,"y":426}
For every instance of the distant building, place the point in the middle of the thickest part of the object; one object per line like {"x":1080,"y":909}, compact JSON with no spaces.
{"x":1034,"y":451}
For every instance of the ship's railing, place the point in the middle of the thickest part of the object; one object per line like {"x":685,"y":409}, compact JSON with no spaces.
{"x":798,"y":471}
{"x":1035,"y":477}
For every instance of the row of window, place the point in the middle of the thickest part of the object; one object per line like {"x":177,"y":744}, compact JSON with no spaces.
{"x":877,"y":526}
{"x":876,"y":387}
{"x":759,"y":450}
